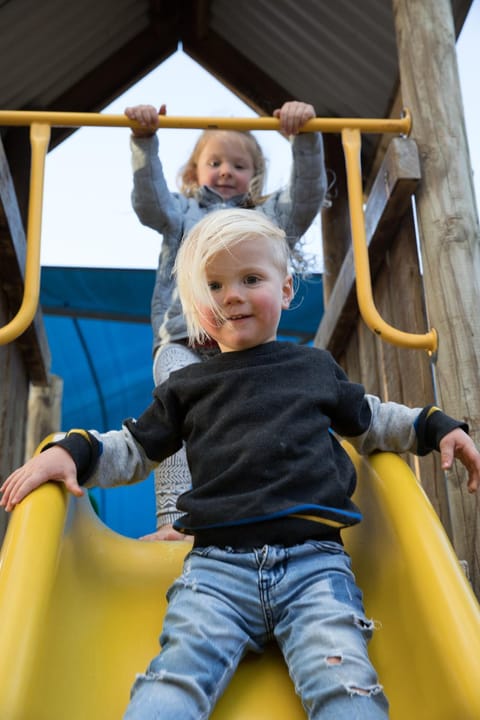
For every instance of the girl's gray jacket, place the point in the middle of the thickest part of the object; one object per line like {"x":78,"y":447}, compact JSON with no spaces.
{"x":173,"y":215}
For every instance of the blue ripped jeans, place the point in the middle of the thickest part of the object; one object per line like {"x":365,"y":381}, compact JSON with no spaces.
{"x":228,"y":602}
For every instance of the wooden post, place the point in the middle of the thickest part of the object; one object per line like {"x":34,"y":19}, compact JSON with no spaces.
{"x":44,"y":413}
{"x":448,"y":230}
{"x":336,"y":233}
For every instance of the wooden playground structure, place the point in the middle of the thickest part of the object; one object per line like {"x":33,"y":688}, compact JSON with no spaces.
{"x":402,"y":285}
{"x":419,"y":194}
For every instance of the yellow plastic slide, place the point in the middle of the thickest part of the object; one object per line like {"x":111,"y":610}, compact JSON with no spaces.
{"x":81,"y":609}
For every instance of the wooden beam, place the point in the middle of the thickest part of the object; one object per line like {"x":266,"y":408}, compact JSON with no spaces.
{"x":460,"y":9}
{"x":235,"y":71}
{"x":448,"y":231}
{"x":391,"y":194}
{"x":33,"y":343}
{"x":116,"y":75}
{"x":44,"y":413}
{"x":336,"y":236}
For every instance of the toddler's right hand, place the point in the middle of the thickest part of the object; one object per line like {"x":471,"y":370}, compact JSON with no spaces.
{"x":55,"y":463}
{"x":147,"y":116}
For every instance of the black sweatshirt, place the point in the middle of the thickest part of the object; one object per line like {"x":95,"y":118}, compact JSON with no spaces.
{"x":260,"y":430}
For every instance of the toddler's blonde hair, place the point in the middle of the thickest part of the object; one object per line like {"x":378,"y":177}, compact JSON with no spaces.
{"x":217,"y":231}
{"x":187,"y":176}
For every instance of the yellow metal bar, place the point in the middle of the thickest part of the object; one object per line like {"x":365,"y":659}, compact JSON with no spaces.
{"x":42,"y":121}
{"x":39,"y":139}
{"x":428,"y":341}
{"x":400,"y":126}
{"x":29,"y":595}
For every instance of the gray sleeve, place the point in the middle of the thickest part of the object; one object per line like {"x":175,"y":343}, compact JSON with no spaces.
{"x":392,"y":428}
{"x":122,"y":461}
{"x":154,"y":204}
{"x":295,"y":207}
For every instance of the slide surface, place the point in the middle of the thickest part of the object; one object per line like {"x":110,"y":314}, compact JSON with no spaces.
{"x":81,"y":609}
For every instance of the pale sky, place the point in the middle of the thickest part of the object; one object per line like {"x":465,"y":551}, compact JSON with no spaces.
{"x":87,"y":215}
{"x":87,"y":219}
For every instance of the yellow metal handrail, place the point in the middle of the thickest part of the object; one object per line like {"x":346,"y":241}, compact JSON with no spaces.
{"x":350,"y":128}
{"x":39,"y":139}
{"x":399,"y":126}
{"x":428,"y":341}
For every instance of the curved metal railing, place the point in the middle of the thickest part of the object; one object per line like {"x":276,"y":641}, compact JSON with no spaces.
{"x":428,"y":341}
{"x":350,"y":129}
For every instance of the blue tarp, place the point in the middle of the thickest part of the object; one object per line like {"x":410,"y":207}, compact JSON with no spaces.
{"x":98,"y":328}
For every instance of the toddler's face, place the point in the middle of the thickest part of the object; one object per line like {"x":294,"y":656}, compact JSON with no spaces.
{"x":250,"y":291}
{"x":225,"y":165}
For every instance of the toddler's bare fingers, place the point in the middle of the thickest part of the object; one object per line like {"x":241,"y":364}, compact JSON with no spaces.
{"x":165,"y":533}
{"x":16,"y":487}
{"x":146,"y":116}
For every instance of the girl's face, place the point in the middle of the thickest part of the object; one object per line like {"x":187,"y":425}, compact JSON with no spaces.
{"x":225,"y":165}
{"x":251,"y":293}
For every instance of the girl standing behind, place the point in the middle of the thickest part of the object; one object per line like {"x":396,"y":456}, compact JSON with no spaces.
{"x":226,"y":169}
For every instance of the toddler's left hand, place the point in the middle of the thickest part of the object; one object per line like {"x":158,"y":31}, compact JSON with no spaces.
{"x":457,"y":444}
{"x":166,"y":533}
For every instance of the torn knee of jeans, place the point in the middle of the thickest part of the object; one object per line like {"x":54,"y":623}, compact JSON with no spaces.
{"x":150,"y":675}
{"x":368,"y":691}
{"x":363,"y":623}
{"x":336,"y":659}
{"x":191,"y":585}
{"x":366,"y":625}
